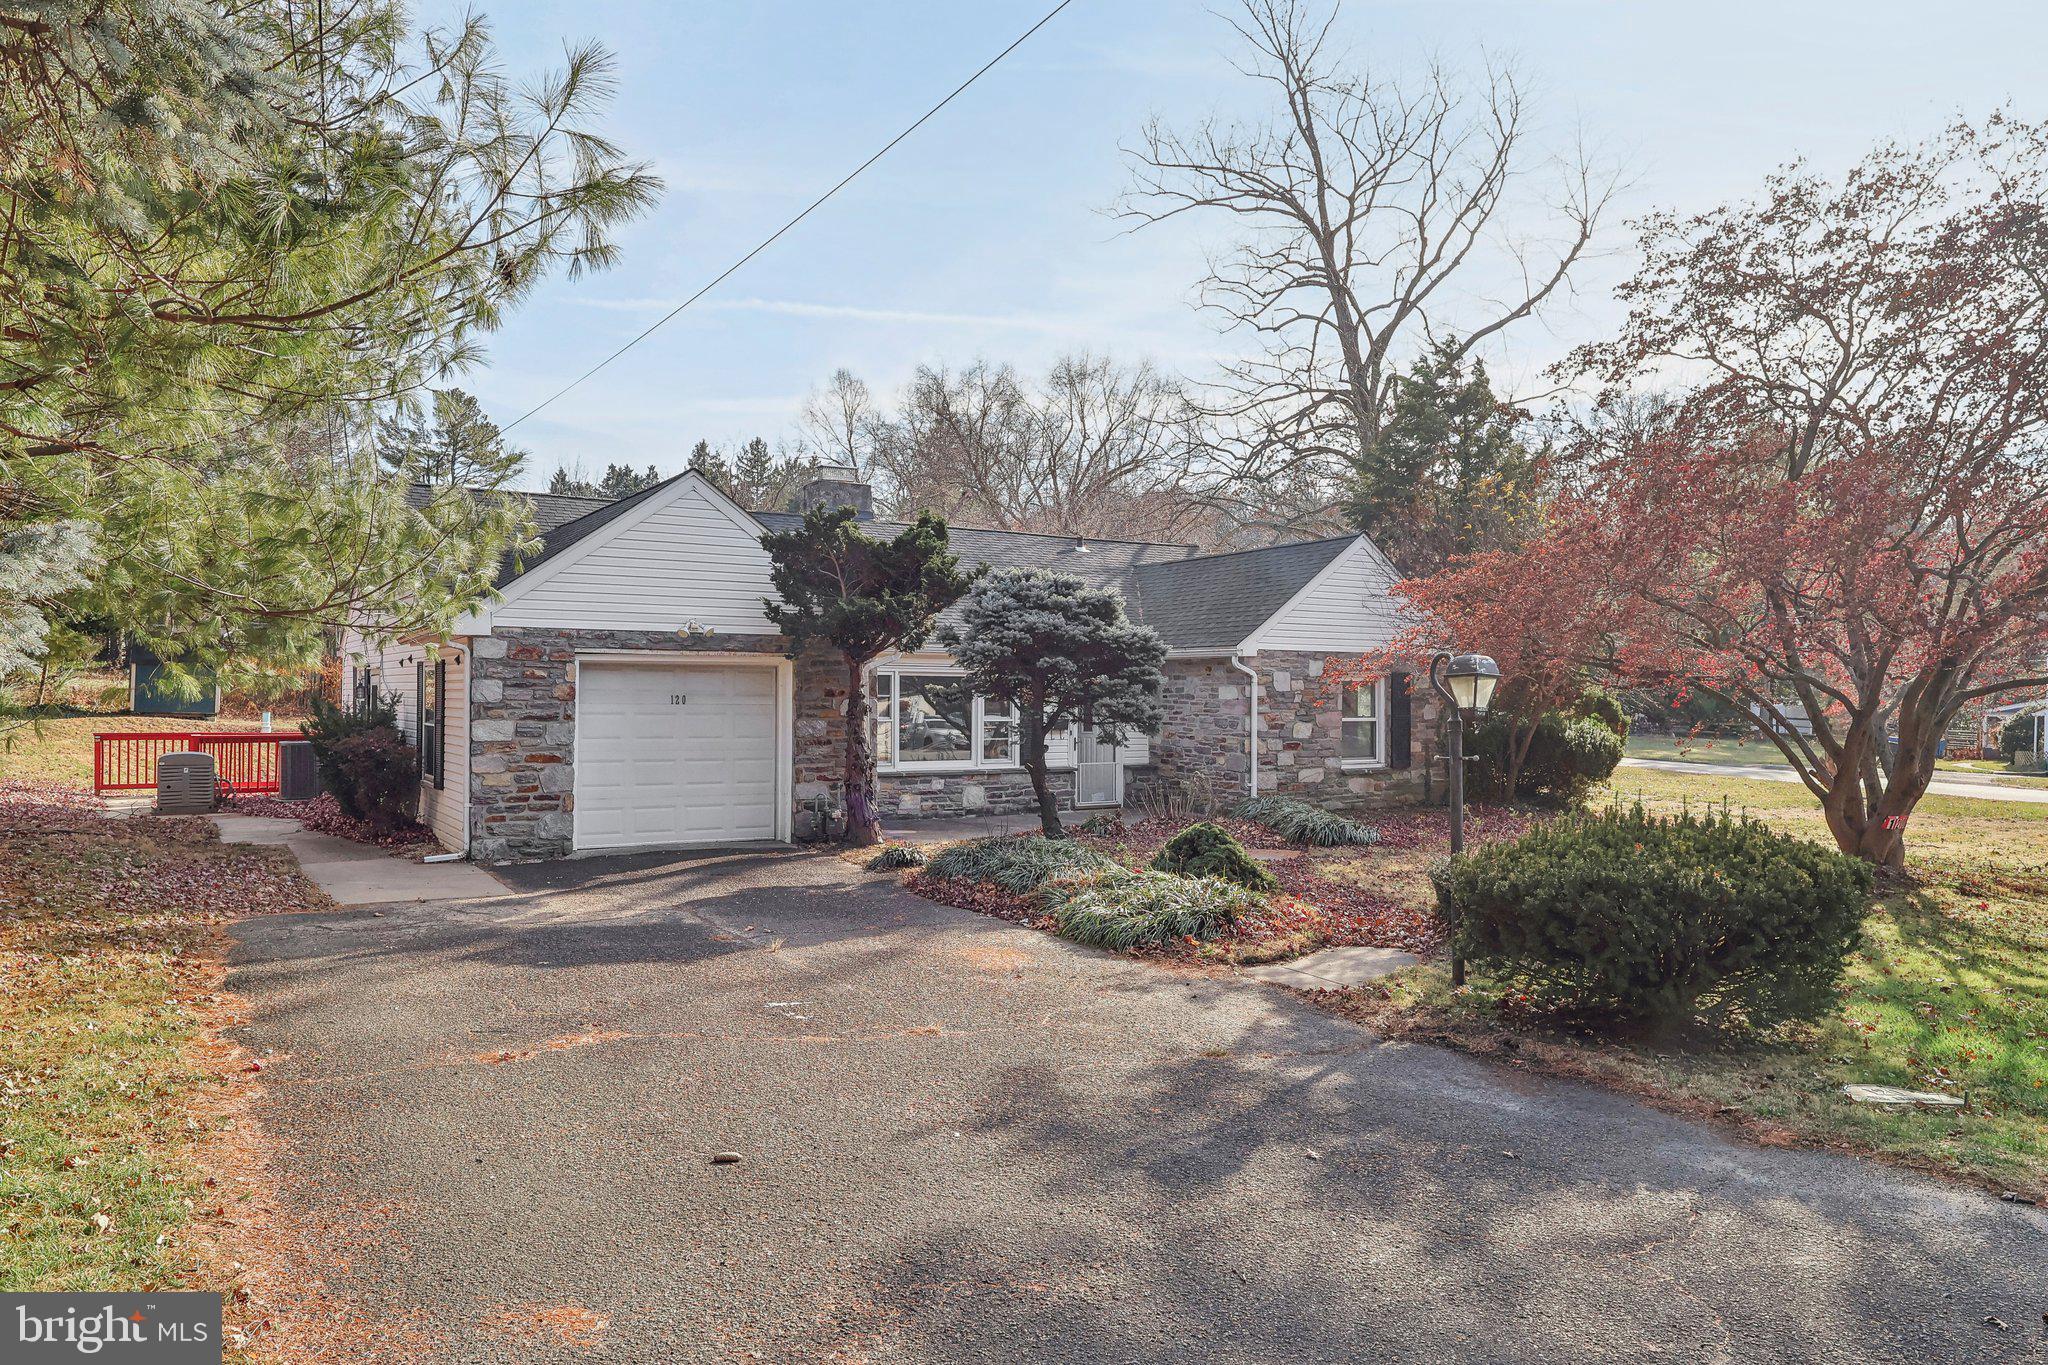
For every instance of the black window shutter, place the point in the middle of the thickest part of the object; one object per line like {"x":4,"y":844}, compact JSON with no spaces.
{"x":1398,"y":720}
{"x":440,"y":721}
{"x":419,"y":706}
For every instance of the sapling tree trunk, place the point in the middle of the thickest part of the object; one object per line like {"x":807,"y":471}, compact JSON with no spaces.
{"x":1035,"y":740}
{"x":863,"y":819}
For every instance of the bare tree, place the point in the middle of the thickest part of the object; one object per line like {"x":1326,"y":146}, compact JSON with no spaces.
{"x":1095,"y":448}
{"x":837,"y":423}
{"x":1372,"y":215}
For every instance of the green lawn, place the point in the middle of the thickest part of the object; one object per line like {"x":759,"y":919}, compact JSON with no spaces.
{"x":1757,"y":752}
{"x":1948,"y":992}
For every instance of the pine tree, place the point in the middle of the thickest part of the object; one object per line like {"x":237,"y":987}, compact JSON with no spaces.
{"x":860,"y":596}
{"x":1450,"y":473}
{"x":1063,"y":654}
{"x":460,"y":447}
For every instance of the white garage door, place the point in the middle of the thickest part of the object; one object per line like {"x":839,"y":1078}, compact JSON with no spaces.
{"x":682,"y":755}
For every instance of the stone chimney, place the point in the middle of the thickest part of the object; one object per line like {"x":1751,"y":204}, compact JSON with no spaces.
{"x":837,"y":485}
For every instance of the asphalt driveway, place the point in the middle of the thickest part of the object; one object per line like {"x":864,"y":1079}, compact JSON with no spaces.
{"x":966,"y":1141}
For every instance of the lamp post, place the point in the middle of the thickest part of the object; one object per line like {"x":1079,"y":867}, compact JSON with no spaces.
{"x":1466,"y":681}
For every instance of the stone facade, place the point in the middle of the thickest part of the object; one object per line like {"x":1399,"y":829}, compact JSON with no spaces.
{"x":522,"y":695}
{"x":523,"y":742}
{"x":928,"y":796}
{"x":1202,"y":755}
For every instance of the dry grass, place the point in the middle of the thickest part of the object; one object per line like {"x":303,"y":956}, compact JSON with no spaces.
{"x":59,"y":750}
{"x":111,"y":1083}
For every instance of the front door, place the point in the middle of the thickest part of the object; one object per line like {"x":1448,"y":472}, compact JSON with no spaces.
{"x":1098,"y":771}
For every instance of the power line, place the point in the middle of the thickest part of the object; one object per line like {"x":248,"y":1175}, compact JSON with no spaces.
{"x":770,"y":240}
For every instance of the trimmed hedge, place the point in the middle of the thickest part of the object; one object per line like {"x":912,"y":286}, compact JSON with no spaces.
{"x":1569,"y":756}
{"x":1209,"y":850}
{"x":1019,"y":864}
{"x":1121,"y":909}
{"x":1298,"y":822}
{"x":1659,"y":919}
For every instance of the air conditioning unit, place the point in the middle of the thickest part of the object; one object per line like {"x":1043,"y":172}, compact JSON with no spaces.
{"x":298,"y":772}
{"x":186,"y":784}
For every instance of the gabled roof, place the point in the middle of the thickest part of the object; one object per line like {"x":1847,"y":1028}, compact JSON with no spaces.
{"x":1218,"y":601}
{"x":561,"y":520}
{"x":1194,"y":601}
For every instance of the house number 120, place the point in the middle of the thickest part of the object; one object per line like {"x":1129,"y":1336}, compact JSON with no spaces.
{"x":676,"y":699}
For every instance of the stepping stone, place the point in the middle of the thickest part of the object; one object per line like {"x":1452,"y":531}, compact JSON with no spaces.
{"x":1886,"y":1094}
{"x":1334,"y":968}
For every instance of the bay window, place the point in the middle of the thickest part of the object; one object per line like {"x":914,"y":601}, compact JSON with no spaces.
{"x":1361,"y":735}
{"x":932,"y":720}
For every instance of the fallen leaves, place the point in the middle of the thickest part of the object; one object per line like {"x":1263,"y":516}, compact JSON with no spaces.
{"x":571,"y":1324}
{"x":323,"y":815}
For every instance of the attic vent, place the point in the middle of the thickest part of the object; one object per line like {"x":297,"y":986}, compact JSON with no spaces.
{"x":1080,"y":546}
{"x":185,"y":784}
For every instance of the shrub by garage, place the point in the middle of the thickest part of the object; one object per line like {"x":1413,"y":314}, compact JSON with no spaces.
{"x":1659,"y":920}
{"x":366,"y":764}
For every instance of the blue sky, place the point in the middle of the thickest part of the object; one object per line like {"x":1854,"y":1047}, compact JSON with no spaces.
{"x":984,"y":234}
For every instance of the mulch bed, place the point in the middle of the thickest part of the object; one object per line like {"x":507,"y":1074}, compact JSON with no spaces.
{"x":323,"y":815}
{"x":1312,"y":908}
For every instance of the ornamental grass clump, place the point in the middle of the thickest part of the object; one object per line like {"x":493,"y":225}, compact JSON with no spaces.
{"x":1019,"y":865}
{"x":1209,"y":850}
{"x":891,"y":857}
{"x":1298,"y":822}
{"x":1120,"y":909}
{"x":1659,"y":919}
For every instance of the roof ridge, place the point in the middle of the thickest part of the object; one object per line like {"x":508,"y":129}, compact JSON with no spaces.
{"x":1266,"y":549}
{"x":1005,"y":531}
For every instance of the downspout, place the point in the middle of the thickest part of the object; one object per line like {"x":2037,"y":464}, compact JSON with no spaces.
{"x":1252,"y":734}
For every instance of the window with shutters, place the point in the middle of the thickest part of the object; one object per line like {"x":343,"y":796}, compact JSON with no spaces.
{"x":1362,"y":730}
{"x":437,"y":747}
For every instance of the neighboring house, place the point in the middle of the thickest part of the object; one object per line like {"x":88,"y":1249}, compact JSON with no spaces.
{"x":1993,"y":720}
{"x":626,"y":690}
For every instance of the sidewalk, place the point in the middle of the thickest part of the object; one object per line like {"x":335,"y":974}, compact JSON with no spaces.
{"x":361,"y":874}
{"x":1974,"y":788}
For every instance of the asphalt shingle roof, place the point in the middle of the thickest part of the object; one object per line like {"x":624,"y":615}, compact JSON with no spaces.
{"x":1194,"y":601}
{"x":1215,"y":601}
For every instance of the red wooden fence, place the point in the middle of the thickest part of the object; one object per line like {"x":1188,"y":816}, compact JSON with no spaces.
{"x":246,"y":760}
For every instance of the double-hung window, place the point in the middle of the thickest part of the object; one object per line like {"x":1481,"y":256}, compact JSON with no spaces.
{"x":933,"y":720}
{"x":1362,"y":737}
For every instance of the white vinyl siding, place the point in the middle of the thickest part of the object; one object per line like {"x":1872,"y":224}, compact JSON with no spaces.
{"x":1348,"y":608}
{"x":446,"y":809}
{"x":393,"y":670}
{"x":686,"y":560}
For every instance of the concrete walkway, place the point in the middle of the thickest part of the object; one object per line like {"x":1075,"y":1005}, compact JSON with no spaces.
{"x":1334,"y":968}
{"x":361,"y":874}
{"x":1978,"y":789}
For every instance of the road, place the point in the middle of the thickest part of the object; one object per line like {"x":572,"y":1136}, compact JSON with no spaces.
{"x":966,"y":1141}
{"x":1979,"y":789}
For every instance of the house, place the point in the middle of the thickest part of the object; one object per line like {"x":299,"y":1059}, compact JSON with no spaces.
{"x":625,"y":689}
{"x":1991,"y":723}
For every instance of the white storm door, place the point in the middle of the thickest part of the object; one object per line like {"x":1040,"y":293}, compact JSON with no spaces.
{"x":1098,"y":771}
{"x":674,"y":755}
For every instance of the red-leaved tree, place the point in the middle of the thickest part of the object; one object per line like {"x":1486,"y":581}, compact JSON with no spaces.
{"x":1840,"y":499}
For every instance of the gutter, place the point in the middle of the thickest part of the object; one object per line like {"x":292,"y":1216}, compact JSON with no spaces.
{"x":1252,"y":732}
